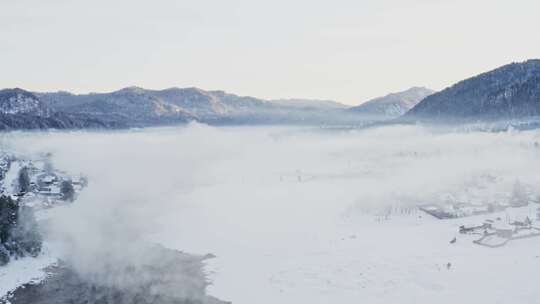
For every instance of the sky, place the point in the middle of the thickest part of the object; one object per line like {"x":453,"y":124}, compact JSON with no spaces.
{"x":348,"y":51}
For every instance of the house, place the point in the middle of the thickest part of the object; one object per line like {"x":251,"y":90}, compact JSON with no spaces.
{"x":48,"y":179}
{"x":50,"y":191}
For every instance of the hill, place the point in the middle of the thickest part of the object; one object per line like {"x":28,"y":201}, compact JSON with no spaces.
{"x":392,"y":105}
{"x":20,"y":109}
{"x":509,"y":92}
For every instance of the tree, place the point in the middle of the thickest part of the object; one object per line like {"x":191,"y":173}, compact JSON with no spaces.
{"x":519,"y":196}
{"x":24,"y":180}
{"x":9,"y":211}
{"x":4,"y":255}
{"x":8,"y":218}
{"x":84,"y":181}
{"x":66,"y":188}
{"x":19,"y":233}
{"x":24,"y":238}
{"x":47,"y":166}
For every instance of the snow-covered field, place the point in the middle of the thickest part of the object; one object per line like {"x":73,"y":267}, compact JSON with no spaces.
{"x":10,"y":180}
{"x":301,"y":215}
{"x":25,"y":270}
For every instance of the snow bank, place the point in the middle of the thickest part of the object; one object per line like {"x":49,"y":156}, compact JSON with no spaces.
{"x":25,"y":270}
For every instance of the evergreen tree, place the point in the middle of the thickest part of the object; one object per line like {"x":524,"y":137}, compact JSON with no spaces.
{"x":66,"y":188}
{"x":9,"y":210}
{"x":25,"y":238}
{"x":48,"y":167}
{"x":519,"y":196}
{"x":8,"y":218}
{"x":24,"y":180}
{"x":19,"y":234}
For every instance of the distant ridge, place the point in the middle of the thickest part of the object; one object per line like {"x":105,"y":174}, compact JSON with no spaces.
{"x":509,"y":92}
{"x":309,"y":103}
{"x":139,"y":107}
{"x":394,"y":104}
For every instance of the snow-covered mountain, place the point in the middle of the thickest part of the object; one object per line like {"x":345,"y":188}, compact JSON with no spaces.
{"x":138,"y":106}
{"x":129,"y":106}
{"x":20,"y":109}
{"x":394,"y":104}
{"x":18,"y":101}
{"x":509,"y":92}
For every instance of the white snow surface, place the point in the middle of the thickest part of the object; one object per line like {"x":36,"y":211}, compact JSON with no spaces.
{"x":295,"y":216}
{"x":29,"y":270}
{"x":25,"y":270}
{"x":315,"y":254}
{"x":10,"y":181}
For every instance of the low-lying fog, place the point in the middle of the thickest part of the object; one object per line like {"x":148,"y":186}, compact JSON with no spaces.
{"x":297,"y":215}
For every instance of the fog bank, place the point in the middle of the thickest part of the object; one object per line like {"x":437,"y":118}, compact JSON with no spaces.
{"x":247,"y":194}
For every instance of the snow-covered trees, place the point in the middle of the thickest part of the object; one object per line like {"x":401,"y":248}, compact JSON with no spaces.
{"x":519,"y":196}
{"x":19,"y":235}
{"x":510,"y":91}
{"x":66,"y":188}
{"x":24,"y":180}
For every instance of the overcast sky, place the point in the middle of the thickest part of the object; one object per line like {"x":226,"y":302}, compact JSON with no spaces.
{"x":348,"y":51}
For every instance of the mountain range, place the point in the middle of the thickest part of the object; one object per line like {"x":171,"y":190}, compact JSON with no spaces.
{"x":509,"y":92}
{"x":138,"y":107}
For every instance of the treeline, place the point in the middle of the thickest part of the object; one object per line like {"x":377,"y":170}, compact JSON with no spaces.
{"x":55,"y":121}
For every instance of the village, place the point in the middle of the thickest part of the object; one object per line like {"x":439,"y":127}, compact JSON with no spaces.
{"x":36,"y":183}
{"x":513,"y":216}
{"x":498,"y":232}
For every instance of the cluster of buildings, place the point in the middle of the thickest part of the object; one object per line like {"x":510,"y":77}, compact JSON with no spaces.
{"x":498,"y":232}
{"x":44,"y":186}
{"x":481,"y":199}
{"x":513,"y":213}
{"x":450,"y":210}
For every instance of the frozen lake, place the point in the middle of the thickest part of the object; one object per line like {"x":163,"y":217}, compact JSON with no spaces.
{"x":298,"y":215}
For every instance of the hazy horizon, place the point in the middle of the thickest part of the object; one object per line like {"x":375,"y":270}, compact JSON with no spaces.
{"x":214,"y":90}
{"x":347,"y":51}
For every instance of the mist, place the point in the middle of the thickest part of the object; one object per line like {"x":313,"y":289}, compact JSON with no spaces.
{"x":291,"y":214}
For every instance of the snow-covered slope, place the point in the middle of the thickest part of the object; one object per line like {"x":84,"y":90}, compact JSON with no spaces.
{"x":136,"y":105}
{"x":509,"y":92}
{"x":17,"y":101}
{"x":20,"y":109}
{"x":24,"y":271}
{"x":394,"y":104}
